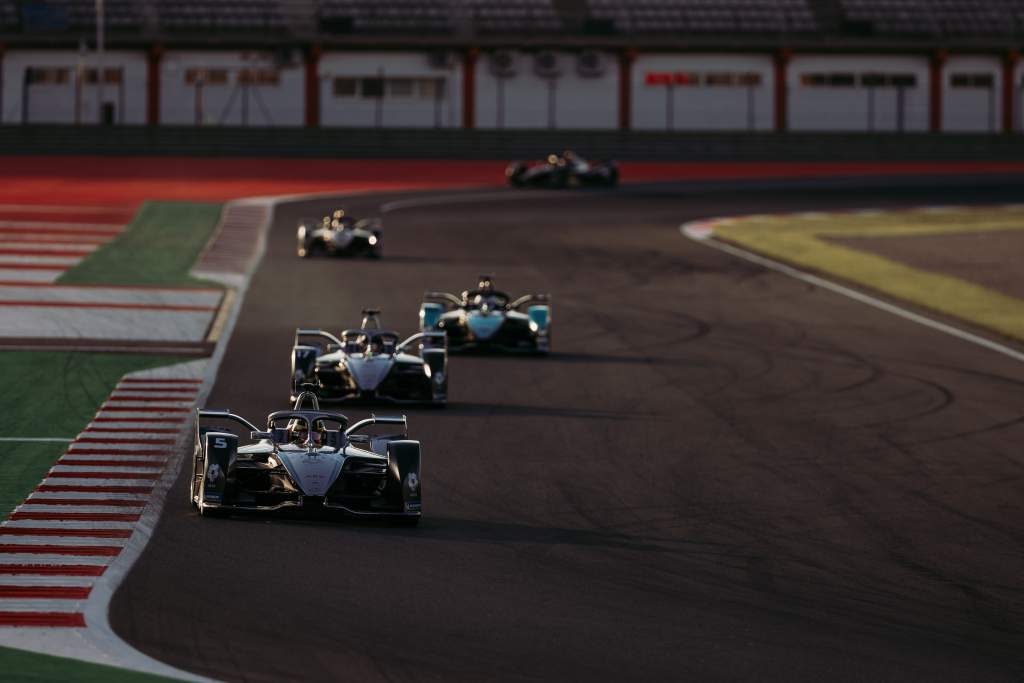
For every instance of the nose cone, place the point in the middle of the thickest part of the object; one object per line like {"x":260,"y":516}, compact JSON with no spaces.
{"x":313,"y":473}
{"x":369,"y":372}
{"x":484,"y":326}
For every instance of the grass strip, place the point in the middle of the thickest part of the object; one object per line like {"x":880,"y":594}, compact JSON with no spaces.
{"x":158,"y":248}
{"x":20,"y":666}
{"x":52,"y":394}
{"x":798,"y":239}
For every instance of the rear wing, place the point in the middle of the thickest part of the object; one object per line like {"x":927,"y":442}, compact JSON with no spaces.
{"x":368,"y":224}
{"x":434,"y":340}
{"x":379,"y":420}
{"x":543,"y":299}
{"x":225,"y":414}
{"x":443,"y":297}
{"x":322,"y":334}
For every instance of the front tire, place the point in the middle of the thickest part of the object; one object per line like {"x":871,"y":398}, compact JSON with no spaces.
{"x":207,"y":511}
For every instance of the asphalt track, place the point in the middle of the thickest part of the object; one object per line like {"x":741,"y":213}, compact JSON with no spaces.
{"x":720,"y":474}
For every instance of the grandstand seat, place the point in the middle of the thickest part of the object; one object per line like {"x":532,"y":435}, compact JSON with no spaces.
{"x":56,"y":15}
{"x":705,"y":16}
{"x":936,"y":17}
{"x":514,"y":16}
{"x":382,"y":16}
{"x":9,"y":16}
{"x":231,"y":15}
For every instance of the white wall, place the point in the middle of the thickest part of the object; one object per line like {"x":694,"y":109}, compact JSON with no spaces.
{"x":824,"y":108}
{"x":267,"y":105}
{"x":56,"y":103}
{"x":578,"y":101}
{"x":703,"y":107}
{"x":972,"y":109}
{"x":394,"y":111}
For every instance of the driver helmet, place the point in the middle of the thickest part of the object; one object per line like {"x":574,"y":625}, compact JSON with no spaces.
{"x":319,"y":432}
{"x":298,"y":431}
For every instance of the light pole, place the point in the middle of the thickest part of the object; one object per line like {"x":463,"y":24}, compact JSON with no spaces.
{"x":99,"y":61}
{"x":200,"y":82}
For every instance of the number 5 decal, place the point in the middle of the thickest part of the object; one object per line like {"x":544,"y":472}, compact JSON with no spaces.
{"x":220,"y":442}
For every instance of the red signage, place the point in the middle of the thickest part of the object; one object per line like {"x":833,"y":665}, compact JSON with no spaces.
{"x":658,"y":78}
{"x":669,"y":78}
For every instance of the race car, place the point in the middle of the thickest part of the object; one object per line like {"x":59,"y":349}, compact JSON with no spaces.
{"x":370,"y":364}
{"x":339,"y":235}
{"x":486,"y":319}
{"x":558,"y":171}
{"x":306,"y":461}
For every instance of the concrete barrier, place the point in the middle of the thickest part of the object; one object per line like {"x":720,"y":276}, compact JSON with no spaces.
{"x":490,"y":144}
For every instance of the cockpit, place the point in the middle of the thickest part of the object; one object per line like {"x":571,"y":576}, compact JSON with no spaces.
{"x":369,"y":342}
{"x":339,"y":220}
{"x":485,"y":297}
{"x":307,"y":429}
{"x":489,"y":300}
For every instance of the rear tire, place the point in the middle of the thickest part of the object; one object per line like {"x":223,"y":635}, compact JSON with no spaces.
{"x":515,"y":174}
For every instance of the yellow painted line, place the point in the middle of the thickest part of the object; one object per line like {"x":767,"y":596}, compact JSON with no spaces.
{"x":798,"y":240}
{"x":226,"y":304}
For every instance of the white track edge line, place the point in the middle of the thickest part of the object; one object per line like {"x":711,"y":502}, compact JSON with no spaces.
{"x":700,"y":231}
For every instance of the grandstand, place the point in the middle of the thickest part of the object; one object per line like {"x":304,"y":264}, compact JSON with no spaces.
{"x":469,"y":20}
{"x":669,"y":65}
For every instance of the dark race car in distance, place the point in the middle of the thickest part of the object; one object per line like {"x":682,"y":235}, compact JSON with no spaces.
{"x":558,"y":171}
{"x":339,"y":235}
{"x":370,"y":364}
{"x":486,"y":319}
{"x":307,"y":461}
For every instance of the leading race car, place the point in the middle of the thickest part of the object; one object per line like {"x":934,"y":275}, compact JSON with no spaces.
{"x":487,"y":319}
{"x":339,"y":235}
{"x":372,"y":365}
{"x":308,"y":461}
{"x":558,"y":171}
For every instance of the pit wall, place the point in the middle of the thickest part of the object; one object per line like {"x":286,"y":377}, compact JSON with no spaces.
{"x":683,"y":105}
{"x":421,"y":89}
{"x":192,"y":90}
{"x":436,"y":106}
{"x":528,"y":99}
{"x":857,"y":107}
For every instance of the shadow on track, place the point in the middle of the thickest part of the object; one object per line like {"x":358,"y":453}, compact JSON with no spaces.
{"x":446,"y":529}
{"x":503,"y":409}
